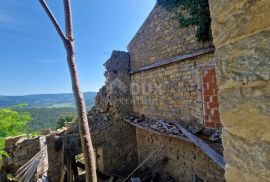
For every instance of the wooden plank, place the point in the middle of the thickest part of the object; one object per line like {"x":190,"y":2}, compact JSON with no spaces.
{"x":178,"y":58}
{"x":216,"y":157}
{"x":69,"y":171}
{"x":141,"y":164}
{"x":63,"y":174}
{"x":74,"y":166}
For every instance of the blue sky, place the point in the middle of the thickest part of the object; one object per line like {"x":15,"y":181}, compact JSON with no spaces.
{"x":32,"y":55}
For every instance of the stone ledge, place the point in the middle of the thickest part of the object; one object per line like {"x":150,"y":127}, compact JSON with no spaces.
{"x":175,"y":59}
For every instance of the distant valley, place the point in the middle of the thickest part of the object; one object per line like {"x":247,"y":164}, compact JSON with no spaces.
{"x":46,"y":100}
{"x":46,"y":109}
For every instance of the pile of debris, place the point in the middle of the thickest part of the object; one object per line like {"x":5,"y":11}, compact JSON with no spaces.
{"x":170,"y":129}
{"x":204,"y":138}
{"x":156,"y":126}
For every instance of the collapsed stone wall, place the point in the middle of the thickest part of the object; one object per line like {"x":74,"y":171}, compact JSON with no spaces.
{"x":110,"y":133}
{"x":114,"y":97}
{"x":185,"y":160}
{"x":241,"y":33}
{"x":21,"y":149}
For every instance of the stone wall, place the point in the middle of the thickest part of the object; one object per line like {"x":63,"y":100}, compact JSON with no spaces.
{"x":22,"y":149}
{"x":54,"y":158}
{"x":159,"y":38}
{"x":167,"y":82}
{"x":110,"y":133}
{"x":185,"y":159}
{"x":172,"y":92}
{"x":241,"y":32}
{"x":115,"y":143}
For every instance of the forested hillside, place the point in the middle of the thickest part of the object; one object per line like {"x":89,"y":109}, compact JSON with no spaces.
{"x":45,"y":109}
{"x":44,"y":117}
{"x":46,"y":100}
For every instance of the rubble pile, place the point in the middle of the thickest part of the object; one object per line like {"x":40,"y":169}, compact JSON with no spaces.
{"x":211,"y":136}
{"x":159,"y":126}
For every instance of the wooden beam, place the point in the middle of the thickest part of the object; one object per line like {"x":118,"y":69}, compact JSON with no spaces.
{"x":141,"y":164}
{"x":216,"y":157}
{"x":74,"y":166}
{"x":69,"y":170}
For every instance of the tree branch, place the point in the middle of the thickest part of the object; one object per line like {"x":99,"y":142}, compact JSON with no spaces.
{"x":53,"y":20}
{"x":68,"y":19}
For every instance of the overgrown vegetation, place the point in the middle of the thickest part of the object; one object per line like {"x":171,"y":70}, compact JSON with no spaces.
{"x":198,"y":15}
{"x":12,"y":123}
{"x":66,"y":118}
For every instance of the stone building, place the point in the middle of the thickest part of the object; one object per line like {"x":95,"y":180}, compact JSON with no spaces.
{"x":173,"y":78}
{"x":169,"y":79}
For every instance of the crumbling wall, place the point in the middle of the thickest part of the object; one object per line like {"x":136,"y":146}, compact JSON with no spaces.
{"x":110,"y":133}
{"x":241,"y":32}
{"x":185,"y":160}
{"x":21,"y":149}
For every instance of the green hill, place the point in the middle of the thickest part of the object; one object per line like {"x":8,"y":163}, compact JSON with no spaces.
{"x":45,"y":109}
{"x":46,"y":100}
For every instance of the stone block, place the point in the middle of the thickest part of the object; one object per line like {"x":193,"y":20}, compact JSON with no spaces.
{"x":245,"y":112}
{"x":250,"y":156}
{"x":249,"y":60}
{"x":244,"y":17}
{"x":235,"y":174}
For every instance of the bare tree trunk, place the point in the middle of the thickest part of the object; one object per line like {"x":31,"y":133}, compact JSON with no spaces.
{"x":68,"y":40}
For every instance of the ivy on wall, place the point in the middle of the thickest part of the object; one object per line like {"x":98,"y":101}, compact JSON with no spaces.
{"x":199,"y":15}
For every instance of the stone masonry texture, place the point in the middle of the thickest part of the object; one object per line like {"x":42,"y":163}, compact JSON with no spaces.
{"x":184,"y":159}
{"x":175,"y":93}
{"x":159,"y":38}
{"x":22,"y":149}
{"x":241,"y":32}
{"x":172,"y":92}
{"x":184,"y":92}
{"x":110,"y":133}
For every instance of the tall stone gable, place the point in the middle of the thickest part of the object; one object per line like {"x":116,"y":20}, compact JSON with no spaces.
{"x":160,"y":37}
